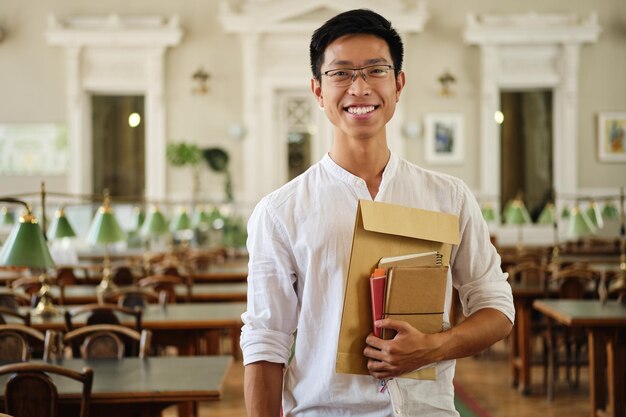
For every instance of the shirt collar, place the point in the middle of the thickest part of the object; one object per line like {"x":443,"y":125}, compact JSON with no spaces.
{"x":349,"y":178}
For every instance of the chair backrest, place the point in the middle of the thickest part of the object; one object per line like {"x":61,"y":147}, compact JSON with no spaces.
{"x":101,"y":314}
{"x":100,"y":341}
{"x":529,"y":273}
{"x":136,"y":297}
{"x":123,"y":275}
{"x":30,"y":391}
{"x":17,"y":342}
{"x":30,"y":286}
{"x":8,"y":312}
{"x":13,"y":301}
{"x":576,"y":282}
{"x":167,"y":283}
{"x":66,"y":276}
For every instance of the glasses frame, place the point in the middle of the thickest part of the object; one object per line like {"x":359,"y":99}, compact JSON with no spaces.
{"x":356,"y":71}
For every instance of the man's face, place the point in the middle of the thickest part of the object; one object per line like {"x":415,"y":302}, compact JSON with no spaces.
{"x":362,"y":108}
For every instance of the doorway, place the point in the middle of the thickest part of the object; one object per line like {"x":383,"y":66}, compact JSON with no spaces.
{"x":526,"y":148}
{"x":118,"y":145}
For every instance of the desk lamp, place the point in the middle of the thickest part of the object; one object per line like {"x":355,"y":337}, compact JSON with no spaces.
{"x":26,"y":247}
{"x":548,"y":216}
{"x":7,"y":217}
{"x":155,"y":225}
{"x":595,"y":215}
{"x":517,"y":214}
{"x":579,"y":225}
{"x":610,"y":211}
{"x":105,"y":230}
{"x":489,"y":214}
{"x":619,"y":284}
{"x":60,"y":226}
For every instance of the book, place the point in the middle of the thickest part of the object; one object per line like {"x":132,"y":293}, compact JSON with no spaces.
{"x":416,"y":295}
{"x":378,"y":282}
{"x":412,"y":259}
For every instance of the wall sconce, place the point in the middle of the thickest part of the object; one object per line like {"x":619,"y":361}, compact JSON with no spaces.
{"x":237,"y":131}
{"x":411,"y":129}
{"x":446,"y":80}
{"x":200,"y":79}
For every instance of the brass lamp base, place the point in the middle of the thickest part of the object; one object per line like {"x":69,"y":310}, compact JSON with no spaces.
{"x":45,"y":307}
{"x":106,"y":286}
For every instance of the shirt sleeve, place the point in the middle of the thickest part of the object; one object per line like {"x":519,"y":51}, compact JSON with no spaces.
{"x":476,"y":270}
{"x":272,"y":308}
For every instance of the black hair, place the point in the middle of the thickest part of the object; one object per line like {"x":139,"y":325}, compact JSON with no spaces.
{"x":359,"y":21}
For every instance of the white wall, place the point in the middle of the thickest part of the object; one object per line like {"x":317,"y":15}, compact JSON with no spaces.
{"x":32,"y":85}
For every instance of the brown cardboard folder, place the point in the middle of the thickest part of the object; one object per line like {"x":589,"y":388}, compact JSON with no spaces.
{"x":383,"y":229}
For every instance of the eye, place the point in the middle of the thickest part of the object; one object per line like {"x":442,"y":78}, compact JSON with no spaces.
{"x":339,"y":73}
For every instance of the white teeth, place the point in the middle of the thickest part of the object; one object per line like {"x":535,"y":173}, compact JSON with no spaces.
{"x":360,"y":110}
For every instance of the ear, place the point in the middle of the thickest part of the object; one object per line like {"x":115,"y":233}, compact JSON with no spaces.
{"x":400,"y":80}
{"x":316,"y":88}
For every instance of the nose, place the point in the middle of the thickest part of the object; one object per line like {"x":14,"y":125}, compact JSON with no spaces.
{"x":359,"y":85}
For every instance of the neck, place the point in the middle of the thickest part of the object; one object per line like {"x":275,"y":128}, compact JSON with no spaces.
{"x":365,"y":158}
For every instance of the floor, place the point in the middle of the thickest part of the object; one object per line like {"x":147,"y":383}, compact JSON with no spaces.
{"x":485,"y":377}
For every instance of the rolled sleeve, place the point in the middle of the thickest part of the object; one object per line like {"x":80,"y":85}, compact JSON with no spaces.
{"x":272,"y":308}
{"x":477,"y":273}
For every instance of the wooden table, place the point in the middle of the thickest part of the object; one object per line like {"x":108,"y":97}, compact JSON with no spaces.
{"x":194,"y":328}
{"x":225,"y":292}
{"x":520,"y":353}
{"x":232,"y":271}
{"x":133,"y":386}
{"x":606,"y":328}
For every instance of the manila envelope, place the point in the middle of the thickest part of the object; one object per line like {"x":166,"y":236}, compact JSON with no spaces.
{"x":383,"y":230}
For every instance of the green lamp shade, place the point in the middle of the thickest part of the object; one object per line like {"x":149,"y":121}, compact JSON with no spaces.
{"x":60,"y":227}
{"x":181,"y":222}
{"x":6,"y":216}
{"x":517,"y":213}
{"x":26,"y":246}
{"x":201,"y":218}
{"x":489,"y":214}
{"x":105,"y":228}
{"x":565,"y":213}
{"x":155,"y":224}
{"x":610,"y":211}
{"x":580,"y":225}
{"x":547,"y":215}
{"x":138,"y":219}
{"x":594,"y":214}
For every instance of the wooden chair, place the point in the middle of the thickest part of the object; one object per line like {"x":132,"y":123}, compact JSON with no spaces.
{"x":13,"y":301}
{"x":30,"y":286}
{"x":66,"y":276}
{"x":576,"y":282}
{"x":30,"y":391}
{"x":167,"y":283}
{"x":99,"y":341}
{"x":102,"y":314}
{"x":529,"y":273}
{"x":123,"y":275}
{"x":17,"y":342}
{"x":136,"y":297}
{"x":7,"y":312}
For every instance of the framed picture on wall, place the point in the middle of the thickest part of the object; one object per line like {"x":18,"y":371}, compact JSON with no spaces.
{"x":612,"y":137}
{"x":443,"y":138}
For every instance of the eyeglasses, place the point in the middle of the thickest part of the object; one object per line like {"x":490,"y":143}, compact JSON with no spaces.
{"x":343,"y":77}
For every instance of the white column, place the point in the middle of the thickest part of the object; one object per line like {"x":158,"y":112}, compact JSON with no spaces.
{"x":155,"y":141}
{"x":80,"y":173}
{"x":252,"y":148}
{"x":490,"y":136}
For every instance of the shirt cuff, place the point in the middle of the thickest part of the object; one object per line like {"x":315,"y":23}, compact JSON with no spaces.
{"x":265,"y":345}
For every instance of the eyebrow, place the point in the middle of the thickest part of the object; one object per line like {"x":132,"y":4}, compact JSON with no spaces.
{"x":372,"y":61}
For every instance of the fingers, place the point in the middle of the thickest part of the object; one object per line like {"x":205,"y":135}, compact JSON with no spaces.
{"x":380,"y":369}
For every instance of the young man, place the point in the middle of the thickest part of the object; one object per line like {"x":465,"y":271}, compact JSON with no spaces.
{"x":300,"y":239}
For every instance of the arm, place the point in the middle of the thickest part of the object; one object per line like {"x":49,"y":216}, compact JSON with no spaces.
{"x":411,"y":349}
{"x":263,"y":382}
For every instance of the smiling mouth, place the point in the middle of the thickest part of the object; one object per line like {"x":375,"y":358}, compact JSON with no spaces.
{"x":360,"y":110}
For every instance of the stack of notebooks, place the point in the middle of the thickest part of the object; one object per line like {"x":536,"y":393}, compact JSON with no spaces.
{"x":410,"y":288}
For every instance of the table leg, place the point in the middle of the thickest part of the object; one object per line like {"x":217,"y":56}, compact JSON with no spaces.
{"x":597,"y":370}
{"x":615,"y":349}
{"x":514,"y":349}
{"x":524,"y":347}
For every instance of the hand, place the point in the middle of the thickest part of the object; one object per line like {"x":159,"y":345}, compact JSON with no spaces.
{"x":409,"y":350}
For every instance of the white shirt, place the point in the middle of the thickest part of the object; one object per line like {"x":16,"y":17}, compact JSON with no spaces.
{"x":299,"y":243}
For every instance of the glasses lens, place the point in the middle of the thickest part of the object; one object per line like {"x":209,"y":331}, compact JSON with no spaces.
{"x":377,"y":71}
{"x":340,"y":77}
